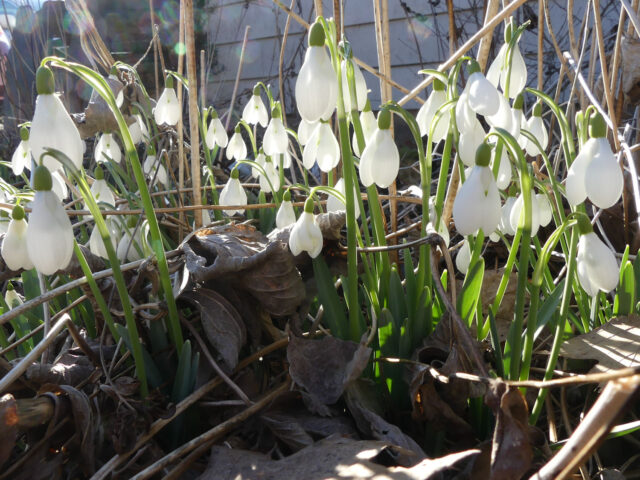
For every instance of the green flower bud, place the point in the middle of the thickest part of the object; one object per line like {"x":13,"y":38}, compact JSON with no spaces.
{"x":24,"y":133}
{"x":42,"y":179}
{"x":483,"y":155}
{"x":17,"y":213}
{"x":45,"y":83}
{"x":597,"y":126}
{"x":384,"y":119}
{"x":316,"y":35}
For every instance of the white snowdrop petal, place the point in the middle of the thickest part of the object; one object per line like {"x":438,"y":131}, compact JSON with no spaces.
{"x":21,"y":158}
{"x":52,"y":127}
{"x":275,"y":140}
{"x":286,"y":215}
{"x":463,"y":258}
{"x":233,"y":194}
{"x":575,"y":188}
{"x":167,"y":109}
{"x":495,"y":69}
{"x":518,"y":79}
{"x":483,"y":98}
{"x":328,"y":149}
{"x":470,"y":140}
{"x":236,"y":149}
{"x":216,"y":134}
{"x":14,"y":247}
{"x":361,"y":87}
{"x":316,"y":87}
{"x":545,"y":213}
{"x":603,"y":179}
{"x":601,"y":265}
{"x":102,"y":193}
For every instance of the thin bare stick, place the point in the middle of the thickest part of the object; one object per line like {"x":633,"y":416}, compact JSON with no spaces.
{"x":180,"y":126}
{"x":540,"y":44}
{"x":488,"y":27}
{"x":633,"y":17}
{"x":238,"y":73}
{"x":317,"y":4}
{"x":194,"y":130}
{"x":33,"y":355}
{"x":485,"y":41}
{"x":592,"y":430}
{"x":285,"y":36}
{"x":214,"y":433}
{"x":159,"y":424}
{"x":453,"y":38}
{"x":155,"y":47}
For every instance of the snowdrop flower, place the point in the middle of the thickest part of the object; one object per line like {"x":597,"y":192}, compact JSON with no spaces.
{"x":59,"y":187}
{"x":151,"y":164}
{"x":361,"y":86}
{"x":167,"y":109}
{"x":518,"y":210}
{"x":14,"y":245}
{"x":442,"y":229}
{"x":316,"y":86}
{"x":138,"y":129}
{"x":21,"y":158}
{"x":483,"y":98}
{"x":100,"y":188}
{"x":52,"y":126}
{"x":505,"y":117}
{"x":596,"y":264}
{"x":428,"y":110}
{"x":236,"y":149}
{"x":380,"y":160}
{"x":545,"y":212}
{"x":275,"y":140}
{"x":260,"y":160}
{"x":115,"y":82}
{"x":505,"y":216}
{"x":11,"y":297}
{"x":305,"y":235}
{"x":498,"y":72}
{"x":369,"y":124}
{"x":49,"y":234}
{"x":503,"y":178}
{"x":595,"y":172}
{"x":285,"y":216}
{"x":335,"y":204}
{"x":254,"y":111}
{"x":477,"y":205}
{"x":233,"y":194}
{"x":536,"y":127}
{"x":96,"y":243}
{"x":216,"y":133}
{"x":107,"y":149}
{"x":271,"y":178}
{"x":323,"y":148}
{"x":470,"y":139}
{"x":463,"y":258}
{"x":305,"y":130}
{"x":130,"y":247}
{"x":465,"y":116}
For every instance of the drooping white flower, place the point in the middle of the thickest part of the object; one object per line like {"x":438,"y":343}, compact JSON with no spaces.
{"x":254,"y":111}
{"x":545,"y":212}
{"x":271,"y":179}
{"x":482,"y":97}
{"x":465,"y":116}
{"x":369,"y":124}
{"x":505,"y":118}
{"x":49,"y":234}
{"x":306,"y":235}
{"x":21,"y":158}
{"x":233,"y":194}
{"x":335,"y":204}
{"x":596,"y":264}
{"x":275,"y":140}
{"x":505,"y":217}
{"x":442,"y":229}
{"x":14,"y":246}
{"x":503,"y":178}
{"x":260,"y":160}
{"x":52,"y":126}
{"x":12,"y":298}
{"x":470,"y":139}
{"x":107,"y":149}
{"x":286,"y":215}
{"x":236,"y":149}
{"x":59,"y":186}
{"x":323,"y":148}
{"x":96,"y":243}
{"x":305,"y":130}
{"x":518,"y":78}
{"x":463,"y":258}
{"x":151,"y":164}
{"x":427,"y":113}
{"x":167,"y":108}
{"x":595,"y":173}
{"x":361,"y":86}
{"x":518,"y":210}
{"x":216,"y":133}
{"x":100,"y":189}
{"x":536,"y":127}
{"x":317,"y":85}
{"x":380,"y":160}
{"x":138,"y":129}
{"x":477,"y":204}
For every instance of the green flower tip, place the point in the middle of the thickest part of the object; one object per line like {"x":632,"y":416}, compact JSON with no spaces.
{"x":135,"y":110}
{"x":597,"y":126}
{"x":256,"y":90}
{"x":345,"y":49}
{"x":584,"y":224}
{"x":267,"y":159}
{"x":132,"y":221}
{"x":308,"y":205}
{"x":537,"y":110}
{"x":98,"y":173}
{"x":438,"y":85}
{"x":237,"y":128}
{"x":42,"y":179}
{"x":17,"y":213}
{"x":113,"y":71}
{"x":384,"y":119}
{"x":212,"y":113}
{"x":4,"y":214}
{"x":24,"y":133}
{"x":316,"y":35}
{"x":45,"y":83}
{"x":287,"y":195}
{"x":367,"y":106}
{"x":483,"y":155}
{"x":235,"y":173}
{"x":473,"y":67}
{"x":518,"y":103}
{"x":508,"y":31}
{"x":276,"y":111}
{"x":168,"y":81}
{"x":10,"y":287}
{"x":579,"y":117}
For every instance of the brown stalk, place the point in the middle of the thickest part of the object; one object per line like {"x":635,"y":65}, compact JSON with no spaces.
{"x":180,"y":126}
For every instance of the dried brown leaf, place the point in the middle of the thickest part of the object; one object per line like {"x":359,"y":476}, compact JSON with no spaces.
{"x":8,"y":426}
{"x":222,"y":324}
{"x":326,"y":366}
{"x":332,"y":458}
{"x":614,"y":345}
